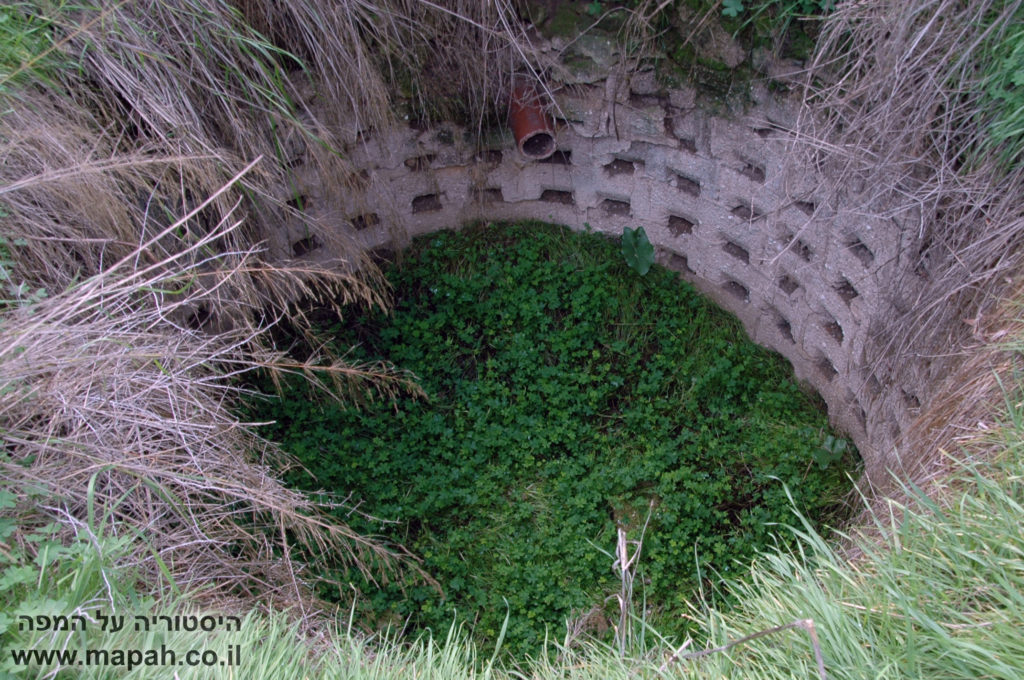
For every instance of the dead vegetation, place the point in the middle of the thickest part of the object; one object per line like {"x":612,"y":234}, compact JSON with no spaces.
{"x":899,"y":109}
{"x":145,"y":186}
{"x":113,"y":409}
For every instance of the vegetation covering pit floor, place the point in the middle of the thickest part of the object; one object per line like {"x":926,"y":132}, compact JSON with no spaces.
{"x":566,"y":396}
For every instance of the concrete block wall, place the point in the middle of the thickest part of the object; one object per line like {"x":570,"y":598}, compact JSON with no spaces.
{"x":808,"y":279}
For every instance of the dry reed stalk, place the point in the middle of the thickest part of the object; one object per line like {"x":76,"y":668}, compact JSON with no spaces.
{"x":198,"y":87}
{"x":114,"y":410}
{"x":116,"y":151}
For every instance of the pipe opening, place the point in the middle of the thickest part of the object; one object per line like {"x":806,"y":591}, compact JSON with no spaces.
{"x":538,"y":146}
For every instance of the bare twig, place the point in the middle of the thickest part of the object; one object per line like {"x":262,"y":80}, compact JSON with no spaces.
{"x":804,"y":624}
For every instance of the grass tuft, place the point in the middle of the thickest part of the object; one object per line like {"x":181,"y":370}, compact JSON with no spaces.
{"x":940,"y":597}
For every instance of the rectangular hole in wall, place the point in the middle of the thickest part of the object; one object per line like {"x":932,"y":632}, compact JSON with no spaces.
{"x":556,"y":196}
{"x":299,"y":203}
{"x":825,"y":368}
{"x":559,"y":157}
{"x":420,"y":163}
{"x":199,"y":316}
{"x":737,"y":251}
{"x":910,"y":399}
{"x":487,"y":195}
{"x":861,"y":252}
{"x":305,"y":245}
{"x":746,"y":212}
{"x":737,"y":290}
{"x":646,"y":100}
{"x":366,"y":220}
{"x":427,"y":203}
{"x":834,"y":330}
{"x":788,"y":284}
{"x":687,"y":185}
{"x":802,"y":250}
{"x":491,"y":156}
{"x":797,"y":246}
{"x":846,"y":291}
{"x":383,"y":255}
{"x":680,"y":263}
{"x":620,"y":166}
{"x":753,"y":172}
{"x":358,"y":180}
{"x":785,"y":328}
{"x":679,"y":225}
{"x":614,"y":207}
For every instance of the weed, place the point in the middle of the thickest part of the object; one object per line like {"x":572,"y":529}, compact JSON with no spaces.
{"x":637,"y":250}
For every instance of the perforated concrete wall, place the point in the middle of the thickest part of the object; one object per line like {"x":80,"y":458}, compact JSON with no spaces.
{"x":807,"y":279}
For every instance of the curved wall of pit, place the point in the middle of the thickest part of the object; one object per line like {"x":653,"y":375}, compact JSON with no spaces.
{"x":808,"y":279}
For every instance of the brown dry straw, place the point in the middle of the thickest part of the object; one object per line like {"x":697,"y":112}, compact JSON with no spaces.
{"x":128,"y":193}
{"x":112,"y":409}
{"x":897,"y":112}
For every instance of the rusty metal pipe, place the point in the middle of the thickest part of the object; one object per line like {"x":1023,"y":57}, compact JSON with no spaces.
{"x":532,"y":128}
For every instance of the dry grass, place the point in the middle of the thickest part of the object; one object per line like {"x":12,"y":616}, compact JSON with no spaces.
{"x":452,"y":58}
{"x":150,"y":124}
{"x":145,"y":183}
{"x":163,"y":102}
{"x":897,"y":112}
{"x":113,"y":410}
{"x":969,"y":401}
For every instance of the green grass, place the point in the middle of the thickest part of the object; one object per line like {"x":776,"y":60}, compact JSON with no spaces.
{"x":1002,"y":106}
{"x":26,"y":46}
